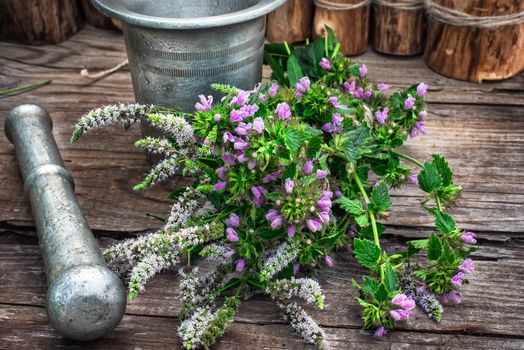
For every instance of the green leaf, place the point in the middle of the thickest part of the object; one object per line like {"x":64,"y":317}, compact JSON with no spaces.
{"x":366,"y":252}
{"x":429,"y":178}
{"x":352,"y":206}
{"x":391,"y":280}
{"x":370,"y":285}
{"x":447,"y":257}
{"x":434,"y":247}
{"x":290,"y":171}
{"x":277,"y":69}
{"x":381,"y":294}
{"x":293,"y":139}
{"x":356,"y":140}
{"x":362,"y":220}
{"x":440,"y":163}
{"x":380,"y":198}
{"x":313,"y":147}
{"x":419,"y":243}
{"x":443,"y":221}
{"x":294,"y":72}
{"x":368,"y":231}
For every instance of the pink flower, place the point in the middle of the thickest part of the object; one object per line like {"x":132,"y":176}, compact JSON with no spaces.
{"x":413,"y":179}
{"x":249,"y":110}
{"x":409,"y":103}
{"x":363,"y":70}
{"x":251,"y":164}
{"x":291,"y":231}
{"x":231,"y":235}
{"x":418,"y":129}
{"x":399,"y":314}
{"x":349,"y":87}
{"x":467,"y":266}
{"x":321,"y":174}
{"x":277,"y":222}
{"x":258,"y":125}
{"x":271,"y":214}
{"x":403,"y":301}
{"x":367,"y":95}
{"x":381,"y":332}
{"x":329,"y":261}
{"x":303,"y":85}
{"x":296,"y":268}
{"x":228,"y":137}
{"x":334,"y":101}
{"x":382,"y":87}
{"x":262,"y":98}
{"x":243,"y":129}
{"x":421,"y":89}
{"x":469,"y":237}
{"x":381,"y":117}
{"x":221,"y":173}
{"x":288,"y":186}
{"x":423,"y":114}
{"x":336,"y":119}
{"x":273,"y":89}
{"x":337,"y":193}
{"x":283,"y":111}
{"x":324,"y":217}
{"x":240,"y":145}
{"x":233,"y":220}
{"x":452,"y":296}
{"x":313,"y":225}
{"x":229,"y":252}
{"x":217,"y":117}
{"x":324,"y":203}
{"x":325,"y":64}
{"x":236,"y":116}
{"x":358,"y":93}
{"x":229,"y":159}
{"x":271,"y":177}
{"x":242,"y":97}
{"x":457,"y":279}
{"x":204,"y":104}
{"x":241,"y":263}
{"x":220,"y":186}
{"x":308,"y":167}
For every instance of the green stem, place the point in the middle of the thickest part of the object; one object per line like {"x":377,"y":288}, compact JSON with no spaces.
{"x":287,"y":48}
{"x":23,"y":88}
{"x":439,"y":204}
{"x":371,"y":214}
{"x":411,"y":159}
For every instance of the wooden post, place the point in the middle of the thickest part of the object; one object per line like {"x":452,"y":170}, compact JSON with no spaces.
{"x":95,"y":17}
{"x":476,"y":53}
{"x":399,"y":27}
{"x":39,"y":22}
{"x":349,"y":19}
{"x":290,"y":23}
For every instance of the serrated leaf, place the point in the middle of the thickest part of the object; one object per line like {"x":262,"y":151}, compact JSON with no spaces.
{"x":381,"y":294}
{"x":380,"y":198}
{"x":447,"y":257}
{"x":419,"y":243}
{"x":366,"y":252}
{"x":356,"y":140}
{"x":443,"y":169}
{"x":429,"y":179}
{"x":294,"y":71}
{"x":293,"y":139}
{"x":352,"y":206}
{"x":391,"y":280}
{"x":313,"y":146}
{"x":434,"y":247}
{"x":362,"y":220}
{"x":443,"y":221}
{"x":290,"y":171}
{"x":368,"y":231}
{"x":370,"y":285}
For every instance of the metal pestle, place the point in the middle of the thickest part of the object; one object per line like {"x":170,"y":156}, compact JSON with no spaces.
{"x":85,"y":300}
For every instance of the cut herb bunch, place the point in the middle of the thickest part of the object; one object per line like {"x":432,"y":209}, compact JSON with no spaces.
{"x":285,"y":175}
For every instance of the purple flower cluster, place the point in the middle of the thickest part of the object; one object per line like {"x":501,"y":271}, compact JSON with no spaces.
{"x":204,"y":104}
{"x":467,"y":266}
{"x":303,"y":85}
{"x":381,"y":117}
{"x":406,"y":307}
{"x":468,"y":237}
{"x":335,"y":127}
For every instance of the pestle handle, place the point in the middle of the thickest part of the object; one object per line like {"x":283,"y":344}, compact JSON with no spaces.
{"x":85,"y":299}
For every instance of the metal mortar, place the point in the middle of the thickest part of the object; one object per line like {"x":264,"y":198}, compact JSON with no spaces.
{"x":85,"y":299}
{"x":178,"y":48}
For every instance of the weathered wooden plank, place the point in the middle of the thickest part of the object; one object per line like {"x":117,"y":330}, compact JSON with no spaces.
{"x":24,"y":327}
{"x":492,"y":296}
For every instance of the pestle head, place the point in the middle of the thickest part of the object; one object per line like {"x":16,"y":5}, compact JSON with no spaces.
{"x":86,"y":302}
{"x":26,"y":111}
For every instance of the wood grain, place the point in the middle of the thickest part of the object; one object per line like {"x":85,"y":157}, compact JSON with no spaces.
{"x":39,"y":22}
{"x":398,"y":32}
{"x":350,"y":26}
{"x":290,"y":23}
{"x":95,"y":17}
{"x":480,"y":128}
{"x":472,"y":53}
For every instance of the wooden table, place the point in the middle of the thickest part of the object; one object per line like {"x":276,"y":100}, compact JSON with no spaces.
{"x":480,"y":128}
